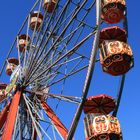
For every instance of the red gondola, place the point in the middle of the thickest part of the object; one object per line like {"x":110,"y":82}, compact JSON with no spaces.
{"x":36,"y":19}
{"x":23,"y":40}
{"x":113,"y":33}
{"x":49,"y":5}
{"x":98,"y":124}
{"x":116,"y":55}
{"x":102,"y":104}
{"x":102,"y":127}
{"x":113,"y":10}
{"x":12,"y":64}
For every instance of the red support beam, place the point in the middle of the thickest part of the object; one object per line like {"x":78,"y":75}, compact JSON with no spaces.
{"x":11,"y":118}
{"x":55,"y":120}
{"x":3,"y":115}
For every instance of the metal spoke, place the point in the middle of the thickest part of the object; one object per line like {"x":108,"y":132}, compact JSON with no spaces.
{"x":70,"y":52}
{"x":63,"y":10}
{"x":32,"y":117}
{"x":64,"y":30}
{"x":72,"y":99}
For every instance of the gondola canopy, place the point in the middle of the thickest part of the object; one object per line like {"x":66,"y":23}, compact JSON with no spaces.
{"x":102,"y":104}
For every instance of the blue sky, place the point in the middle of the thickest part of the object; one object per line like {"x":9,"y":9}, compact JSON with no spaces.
{"x":14,"y":12}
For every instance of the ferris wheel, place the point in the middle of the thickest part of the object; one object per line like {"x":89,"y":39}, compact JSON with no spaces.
{"x":50,"y":67}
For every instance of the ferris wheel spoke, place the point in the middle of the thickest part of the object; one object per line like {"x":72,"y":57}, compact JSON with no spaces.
{"x":58,"y":66}
{"x":64,"y":30}
{"x":68,"y":24}
{"x":72,"y":70}
{"x":71,"y":99}
{"x":47,"y":75}
{"x":86,"y":9}
{"x":64,"y":22}
{"x":34,"y":110}
{"x":57,"y":55}
{"x":70,"y":52}
{"x":81,"y":23}
{"x":72,"y":32}
{"x":68,"y":75}
{"x":40,"y":127}
{"x":78,"y":53}
{"x":65,"y":98}
{"x":44,"y":132}
{"x":76,"y":65}
{"x":76,"y":40}
{"x":54,"y":135}
{"x":45,"y":79}
{"x":59,"y":18}
{"x":32,"y":117}
{"x":69,"y":61}
{"x":70,"y":35}
{"x":52,"y":55}
{"x":56,"y":73}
